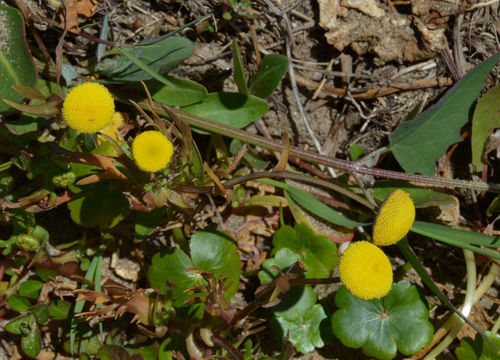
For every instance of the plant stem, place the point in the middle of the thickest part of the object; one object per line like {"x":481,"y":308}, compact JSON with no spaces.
{"x":340,"y":164}
{"x":454,"y":323}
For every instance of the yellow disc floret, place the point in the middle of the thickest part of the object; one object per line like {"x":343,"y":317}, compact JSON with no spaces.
{"x":394,"y":220}
{"x":88,"y":107}
{"x":366,"y":271}
{"x":152,"y":151}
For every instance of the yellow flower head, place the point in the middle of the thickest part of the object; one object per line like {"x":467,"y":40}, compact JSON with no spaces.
{"x":152,"y":151}
{"x":394,"y":220}
{"x":88,"y":107}
{"x":366,"y":271}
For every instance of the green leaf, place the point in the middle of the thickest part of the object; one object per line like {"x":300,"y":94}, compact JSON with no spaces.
{"x":112,"y":352}
{"x":59,"y":309}
{"x":16,"y":65}
{"x":19,"y":303}
{"x":398,"y":321}
{"x":41,"y":313}
{"x":146,"y":223}
{"x":283,"y":259}
{"x":239,"y":69}
{"x":19,"y":325}
{"x":486,"y":118}
{"x":460,"y":238}
{"x":31,"y":342}
{"x":478,"y":349}
{"x":160,"y":57}
{"x":317,"y":253}
{"x":173,"y":268}
{"x":185,"y":92}
{"x":148,"y":351}
{"x":421,"y":197}
{"x":99,"y":204}
{"x":418,"y":143}
{"x":232,"y":109}
{"x":296,"y":302}
{"x":215,"y":252}
{"x":313,"y":205}
{"x":272,"y":69}
{"x":211,"y":251}
{"x":304,"y":332}
{"x":30,"y":288}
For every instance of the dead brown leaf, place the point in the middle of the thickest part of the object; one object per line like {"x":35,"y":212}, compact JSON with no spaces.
{"x":73,"y":8}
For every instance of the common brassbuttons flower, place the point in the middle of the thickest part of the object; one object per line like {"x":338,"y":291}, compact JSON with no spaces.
{"x":152,"y":151}
{"x":394,"y":220}
{"x":88,"y":107}
{"x":366,"y":271}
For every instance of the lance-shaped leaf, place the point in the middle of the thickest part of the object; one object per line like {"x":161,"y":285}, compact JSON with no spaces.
{"x":16,"y":65}
{"x":418,"y":143}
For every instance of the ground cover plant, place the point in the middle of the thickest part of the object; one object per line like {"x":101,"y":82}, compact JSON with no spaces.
{"x":149,"y":211}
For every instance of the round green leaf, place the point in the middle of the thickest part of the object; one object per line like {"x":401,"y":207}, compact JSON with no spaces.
{"x":283,"y":259}
{"x":296,"y":302}
{"x":30,"y":288}
{"x":232,"y":109}
{"x":479,"y":348}
{"x":317,"y":253}
{"x":211,"y":251}
{"x":304,"y":332}
{"x":19,"y":303}
{"x":172,"y":268}
{"x":381,"y":327}
{"x":16,"y":65}
{"x":99,"y":205}
{"x":215,"y":252}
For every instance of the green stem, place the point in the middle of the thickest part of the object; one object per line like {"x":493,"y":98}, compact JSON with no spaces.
{"x":343,"y":165}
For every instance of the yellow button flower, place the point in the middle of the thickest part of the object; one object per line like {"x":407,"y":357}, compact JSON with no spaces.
{"x":152,"y":151}
{"x":366,"y":271}
{"x":88,"y":107}
{"x":394,"y":220}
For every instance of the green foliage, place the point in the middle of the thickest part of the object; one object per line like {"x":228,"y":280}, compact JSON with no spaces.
{"x":459,"y":238}
{"x":317,"y":253}
{"x":478,"y":348}
{"x":398,"y":321}
{"x":180,"y":92}
{"x":271,"y":72}
{"x":313,"y":205}
{"x":211,"y":251}
{"x":30,"y":288}
{"x":18,"y":303}
{"x":486,"y":118}
{"x":305,"y":331}
{"x":161,"y":57}
{"x":16,"y":65}
{"x":418,"y":143}
{"x":232,"y":109}
{"x":99,"y":205}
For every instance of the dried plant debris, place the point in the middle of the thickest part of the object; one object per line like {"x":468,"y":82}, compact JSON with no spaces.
{"x":390,"y":36}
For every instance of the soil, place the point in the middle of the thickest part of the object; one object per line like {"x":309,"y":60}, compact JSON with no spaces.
{"x":344,"y":55}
